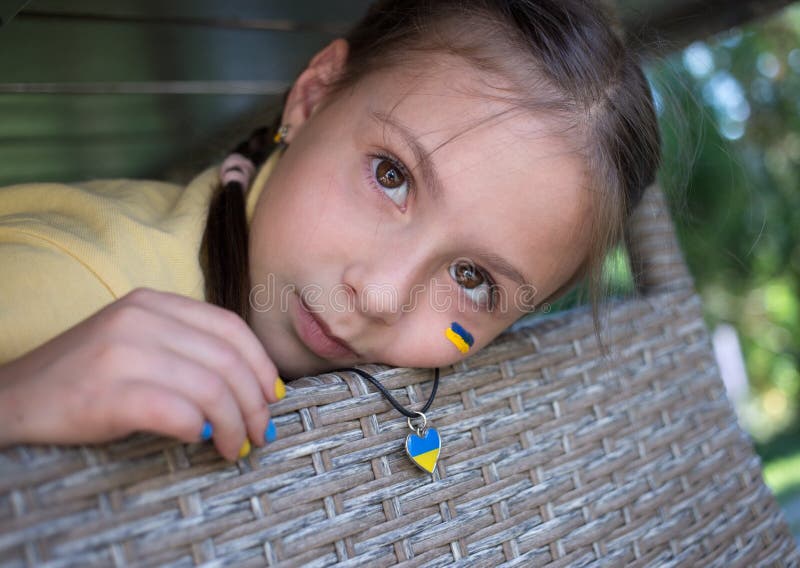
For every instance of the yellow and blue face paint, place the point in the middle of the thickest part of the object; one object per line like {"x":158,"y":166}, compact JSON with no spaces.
{"x":460,"y":337}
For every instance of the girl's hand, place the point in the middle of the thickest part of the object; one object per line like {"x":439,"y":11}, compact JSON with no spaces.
{"x":150,"y":361}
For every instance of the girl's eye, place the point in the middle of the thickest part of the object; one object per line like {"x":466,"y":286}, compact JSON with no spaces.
{"x":391,"y":179}
{"x":478,"y":286}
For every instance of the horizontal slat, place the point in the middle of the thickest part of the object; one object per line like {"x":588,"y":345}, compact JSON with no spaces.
{"x":9,"y":9}
{"x":262,"y":24}
{"x":69,"y":137}
{"x":151,"y":88}
{"x":338,"y":12}
{"x":85,"y":158}
{"x":25,"y":116}
{"x":52,"y":52}
{"x":179,"y":90}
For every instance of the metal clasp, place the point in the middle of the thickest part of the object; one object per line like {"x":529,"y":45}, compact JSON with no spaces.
{"x":419,"y":431}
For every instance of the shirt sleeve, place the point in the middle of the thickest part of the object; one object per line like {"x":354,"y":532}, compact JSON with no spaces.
{"x":44,"y":290}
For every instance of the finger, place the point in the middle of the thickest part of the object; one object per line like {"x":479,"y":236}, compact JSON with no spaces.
{"x":218,"y":355}
{"x":153,"y":408}
{"x":148,"y":407}
{"x":202,"y":387}
{"x":225,"y":325}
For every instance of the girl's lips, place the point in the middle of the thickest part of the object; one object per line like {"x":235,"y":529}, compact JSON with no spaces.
{"x":316,"y":336}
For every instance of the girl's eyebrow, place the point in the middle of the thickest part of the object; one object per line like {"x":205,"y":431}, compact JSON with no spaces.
{"x":502,"y":266}
{"x":431,"y":181}
{"x":429,"y":175}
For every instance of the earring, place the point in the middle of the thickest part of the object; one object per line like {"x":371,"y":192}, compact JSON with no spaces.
{"x":280,"y":135}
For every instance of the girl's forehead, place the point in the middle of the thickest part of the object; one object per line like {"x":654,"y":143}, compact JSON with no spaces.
{"x":445,"y":99}
{"x":440,"y":90}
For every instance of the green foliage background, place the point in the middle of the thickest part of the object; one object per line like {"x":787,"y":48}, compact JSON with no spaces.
{"x":731,"y":119}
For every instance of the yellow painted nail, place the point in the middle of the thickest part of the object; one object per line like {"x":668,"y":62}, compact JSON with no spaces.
{"x":245,"y":450}
{"x":280,"y":388}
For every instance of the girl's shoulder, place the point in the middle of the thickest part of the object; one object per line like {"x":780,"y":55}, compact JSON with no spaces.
{"x":126,"y":232}
{"x":96,"y":202}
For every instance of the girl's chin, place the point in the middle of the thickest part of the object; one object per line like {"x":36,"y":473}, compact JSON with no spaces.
{"x":291,"y":371}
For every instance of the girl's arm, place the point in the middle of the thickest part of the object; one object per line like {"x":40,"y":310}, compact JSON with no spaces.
{"x":150,"y":361}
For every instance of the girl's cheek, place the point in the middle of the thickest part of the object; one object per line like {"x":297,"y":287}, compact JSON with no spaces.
{"x":425,"y":345}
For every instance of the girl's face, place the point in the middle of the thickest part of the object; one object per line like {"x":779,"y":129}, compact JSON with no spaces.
{"x":405,"y":204}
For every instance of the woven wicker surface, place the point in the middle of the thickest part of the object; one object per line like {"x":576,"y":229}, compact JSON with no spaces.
{"x":552,"y":455}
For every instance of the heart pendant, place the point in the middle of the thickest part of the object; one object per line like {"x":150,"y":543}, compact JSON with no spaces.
{"x":424,"y":450}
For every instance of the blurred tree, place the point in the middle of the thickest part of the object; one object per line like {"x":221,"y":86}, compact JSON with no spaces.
{"x":730,"y":111}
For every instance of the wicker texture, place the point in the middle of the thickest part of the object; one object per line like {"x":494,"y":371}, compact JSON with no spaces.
{"x":552,"y":455}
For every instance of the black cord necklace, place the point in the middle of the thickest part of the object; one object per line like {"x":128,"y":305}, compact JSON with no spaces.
{"x":424,"y":445}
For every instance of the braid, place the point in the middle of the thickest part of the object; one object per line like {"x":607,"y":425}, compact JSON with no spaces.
{"x":258,"y":146}
{"x":224,"y":249}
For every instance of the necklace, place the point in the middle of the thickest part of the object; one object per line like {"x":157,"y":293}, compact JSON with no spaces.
{"x":424,"y":443}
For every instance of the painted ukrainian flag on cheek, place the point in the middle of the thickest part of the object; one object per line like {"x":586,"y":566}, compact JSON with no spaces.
{"x":459,"y":336}
{"x":424,"y":451}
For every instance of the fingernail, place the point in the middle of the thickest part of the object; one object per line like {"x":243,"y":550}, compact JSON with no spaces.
{"x":270,"y":434}
{"x":280,"y":388}
{"x":207,"y":431}
{"x":245,"y":449}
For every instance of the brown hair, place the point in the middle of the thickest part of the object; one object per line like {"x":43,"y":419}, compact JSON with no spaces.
{"x":224,"y":256}
{"x":566,"y":60}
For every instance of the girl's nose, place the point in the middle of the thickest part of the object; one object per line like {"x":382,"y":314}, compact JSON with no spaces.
{"x":384,"y":289}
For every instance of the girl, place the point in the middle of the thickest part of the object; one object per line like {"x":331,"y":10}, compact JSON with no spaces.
{"x":449,"y":165}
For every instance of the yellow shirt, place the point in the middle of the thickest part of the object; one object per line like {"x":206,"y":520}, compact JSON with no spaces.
{"x":68,"y":250}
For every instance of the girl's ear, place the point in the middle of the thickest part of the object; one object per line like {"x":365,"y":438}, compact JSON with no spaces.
{"x":313,"y":85}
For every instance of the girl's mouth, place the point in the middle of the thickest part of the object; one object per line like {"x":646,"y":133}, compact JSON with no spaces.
{"x":315,"y":334}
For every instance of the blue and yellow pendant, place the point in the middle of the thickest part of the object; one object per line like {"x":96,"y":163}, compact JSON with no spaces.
{"x":424,"y":445}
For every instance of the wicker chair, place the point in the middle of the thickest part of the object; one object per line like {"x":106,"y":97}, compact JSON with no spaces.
{"x":551,"y":456}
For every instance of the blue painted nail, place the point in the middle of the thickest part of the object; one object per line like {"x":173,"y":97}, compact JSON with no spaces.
{"x":207,"y":432}
{"x":270,"y":434}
